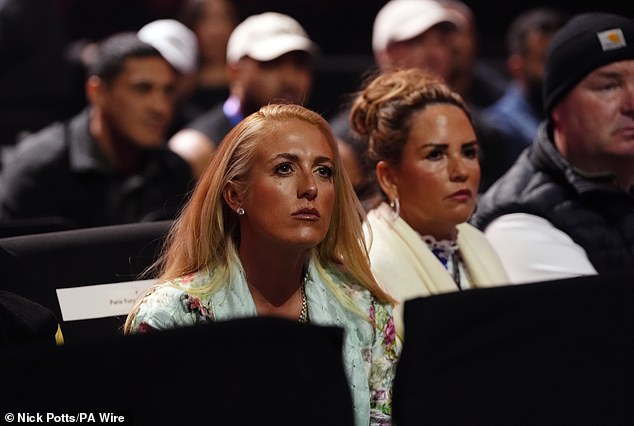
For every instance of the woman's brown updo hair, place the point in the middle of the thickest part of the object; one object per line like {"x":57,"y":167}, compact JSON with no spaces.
{"x":381,"y":113}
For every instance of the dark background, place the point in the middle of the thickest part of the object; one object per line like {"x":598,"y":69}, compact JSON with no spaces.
{"x":339,"y":26}
{"x":342,"y":29}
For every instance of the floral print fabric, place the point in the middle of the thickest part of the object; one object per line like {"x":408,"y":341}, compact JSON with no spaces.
{"x":371,"y":347}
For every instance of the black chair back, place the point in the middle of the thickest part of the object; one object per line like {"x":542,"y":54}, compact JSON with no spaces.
{"x":36,"y":266}
{"x":549,"y":353}
{"x":256,"y":371}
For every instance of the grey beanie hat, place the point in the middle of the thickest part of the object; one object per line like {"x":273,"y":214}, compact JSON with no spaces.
{"x":587,"y":42}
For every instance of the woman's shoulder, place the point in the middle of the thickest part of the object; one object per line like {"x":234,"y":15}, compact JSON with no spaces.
{"x":173,"y":303}
{"x":473,"y":238}
{"x":348,"y":285}
{"x":470,"y":230}
{"x":480,"y":256}
{"x":387,"y":234}
{"x":190,"y":282}
{"x":358,"y":293}
{"x":168,"y":291}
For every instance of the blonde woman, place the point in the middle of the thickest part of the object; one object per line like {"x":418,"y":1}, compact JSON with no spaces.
{"x":425,"y":151}
{"x":274,"y":228}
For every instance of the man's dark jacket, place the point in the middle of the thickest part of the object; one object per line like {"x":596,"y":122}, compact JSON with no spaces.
{"x":61,"y":173}
{"x":590,"y":209}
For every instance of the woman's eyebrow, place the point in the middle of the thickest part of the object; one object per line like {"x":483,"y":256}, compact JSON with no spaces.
{"x":286,"y":156}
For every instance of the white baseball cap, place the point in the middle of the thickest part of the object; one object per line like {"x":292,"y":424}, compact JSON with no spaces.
{"x":268,"y":36}
{"x":401,"y":20}
{"x":176,"y":43}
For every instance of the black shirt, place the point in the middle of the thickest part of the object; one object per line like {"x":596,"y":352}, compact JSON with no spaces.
{"x":214,"y":124}
{"x":60,"y":172}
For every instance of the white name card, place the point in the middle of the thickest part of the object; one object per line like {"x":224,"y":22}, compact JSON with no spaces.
{"x":100,"y":300}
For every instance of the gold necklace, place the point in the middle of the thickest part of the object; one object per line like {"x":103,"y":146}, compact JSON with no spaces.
{"x":303,"y":315}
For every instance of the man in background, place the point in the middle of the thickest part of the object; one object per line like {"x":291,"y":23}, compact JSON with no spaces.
{"x":108,"y":164}
{"x":566,"y":208}
{"x":479,"y":83}
{"x":269,"y":58}
{"x":179,"y":46}
{"x":418,"y":34}
{"x":518,"y":113}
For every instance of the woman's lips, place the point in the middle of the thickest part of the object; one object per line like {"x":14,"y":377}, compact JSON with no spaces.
{"x":462,"y":195}
{"x":307,"y":214}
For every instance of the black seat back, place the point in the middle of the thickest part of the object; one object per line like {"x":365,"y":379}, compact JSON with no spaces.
{"x":550,"y":353}
{"x":256,"y":371}
{"x":36,"y":266}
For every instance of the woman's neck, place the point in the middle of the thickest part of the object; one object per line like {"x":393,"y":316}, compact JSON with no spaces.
{"x":274,"y":278}
{"x":440,"y":233}
{"x":439,"y":229}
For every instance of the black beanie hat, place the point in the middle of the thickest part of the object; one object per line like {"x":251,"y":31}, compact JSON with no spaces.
{"x":587,"y":42}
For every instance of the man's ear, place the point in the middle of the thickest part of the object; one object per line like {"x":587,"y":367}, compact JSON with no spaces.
{"x":232,"y":196}
{"x":387,"y":179}
{"x":234,"y":72}
{"x":95,"y":90}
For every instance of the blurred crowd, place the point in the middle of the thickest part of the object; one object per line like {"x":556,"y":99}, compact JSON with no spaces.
{"x":323,"y":187}
{"x":71,"y":28}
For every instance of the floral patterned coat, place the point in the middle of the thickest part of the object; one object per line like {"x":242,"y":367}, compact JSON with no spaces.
{"x":371,"y":347}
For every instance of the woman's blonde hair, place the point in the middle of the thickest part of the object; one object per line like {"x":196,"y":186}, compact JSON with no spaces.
{"x":206,"y":233}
